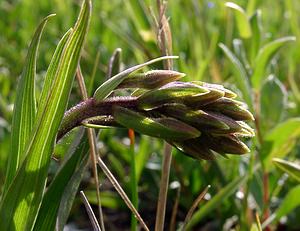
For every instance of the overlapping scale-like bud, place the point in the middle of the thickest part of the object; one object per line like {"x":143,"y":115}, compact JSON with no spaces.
{"x":198,"y":118}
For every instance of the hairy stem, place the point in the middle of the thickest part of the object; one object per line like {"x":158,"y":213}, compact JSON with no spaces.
{"x":91,"y":108}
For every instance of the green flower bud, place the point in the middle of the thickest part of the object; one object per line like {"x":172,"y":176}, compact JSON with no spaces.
{"x":194,"y":149}
{"x":175,"y":92}
{"x":165,"y":128}
{"x":227,"y":93}
{"x":151,"y":79}
{"x":225,"y":144}
{"x":200,"y":119}
{"x":231,"y":108}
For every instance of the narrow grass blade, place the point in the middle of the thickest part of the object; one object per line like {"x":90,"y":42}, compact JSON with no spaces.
{"x":227,"y":191}
{"x":24,"y":107}
{"x":90,"y":212}
{"x":240,"y":74}
{"x":289,"y":203}
{"x":55,"y":61}
{"x":46,"y":219}
{"x":18,"y":211}
{"x":241,"y":19}
{"x":108,"y":86}
{"x":70,"y":193}
{"x":263,"y":58}
{"x":291,"y":168}
{"x":282,"y":138}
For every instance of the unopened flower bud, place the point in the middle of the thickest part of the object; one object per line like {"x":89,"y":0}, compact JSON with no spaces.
{"x":165,"y":128}
{"x":151,"y":79}
{"x":175,"y":92}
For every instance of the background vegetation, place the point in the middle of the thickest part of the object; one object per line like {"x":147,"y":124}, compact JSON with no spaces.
{"x":253,"y":50}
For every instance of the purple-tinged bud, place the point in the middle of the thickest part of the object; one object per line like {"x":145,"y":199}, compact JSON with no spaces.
{"x":175,"y":92}
{"x":226,"y":144}
{"x":151,"y":79}
{"x":194,"y":149}
{"x":165,"y":128}
{"x":227,"y":93}
{"x":235,"y":109}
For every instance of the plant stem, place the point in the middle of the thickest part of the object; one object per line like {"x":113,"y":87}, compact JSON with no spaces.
{"x":134,"y":183}
{"x":91,"y":108}
{"x":92,"y":143}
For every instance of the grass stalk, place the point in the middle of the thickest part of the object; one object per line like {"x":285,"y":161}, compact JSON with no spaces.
{"x":90,"y":212}
{"x":133,"y":181}
{"x":92,"y":142}
{"x":121,"y":192}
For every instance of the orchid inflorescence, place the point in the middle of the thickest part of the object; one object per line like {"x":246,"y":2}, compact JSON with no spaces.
{"x":198,"y":118}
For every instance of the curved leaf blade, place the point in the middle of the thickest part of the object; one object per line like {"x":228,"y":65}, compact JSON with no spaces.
{"x":25,"y":106}
{"x":263,"y":58}
{"x":289,"y":167}
{"x":241,"y":19}
{"x":18,"y":211}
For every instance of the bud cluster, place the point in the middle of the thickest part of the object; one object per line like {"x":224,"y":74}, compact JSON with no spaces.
{"x":198,"y":118}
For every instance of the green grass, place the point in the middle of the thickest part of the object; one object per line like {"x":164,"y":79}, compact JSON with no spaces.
{"x":252,"y":49}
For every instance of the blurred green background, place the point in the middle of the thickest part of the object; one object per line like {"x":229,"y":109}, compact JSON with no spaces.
{"x":198,"y":28}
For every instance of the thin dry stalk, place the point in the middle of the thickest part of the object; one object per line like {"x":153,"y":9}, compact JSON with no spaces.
{"x":121,"y":192}
{"x":164,"y":39}
{"x":92,"y":142}
{"x":194,"y":206}
{"x":90,"y":212}
{"x":174,"y":211}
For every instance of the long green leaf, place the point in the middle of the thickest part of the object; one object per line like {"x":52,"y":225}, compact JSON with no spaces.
{"x":108,"y":86}
{"x":227,"y":191}
{"x":70,"y":193}
{"x":289,"y":203}
{"x":18,"y":211}
{"x":53,"y":66}
{"x":282,"y":139}
{"x":291,"y":168}
{"x":25,"y":107}
{"x":241,"y":19}
{"x":240,"y":75}
{"x":263,"y":58}
{"x":46,"y":219}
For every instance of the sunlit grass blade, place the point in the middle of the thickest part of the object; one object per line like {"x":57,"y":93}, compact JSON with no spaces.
{"x":263,"y":58}
{"x":24,"y":107}
{"x":241,"y":19}
{"x":55,"y":61}
{"x":18,"y":211}
{"x":289,"y":203}
{"x":225,"y":192}
{"x":105,"y":89}
{"x":240,"y":74}
{"x":282,"y":138}
{"x":46,"y":219}
{"x":291,"y":168}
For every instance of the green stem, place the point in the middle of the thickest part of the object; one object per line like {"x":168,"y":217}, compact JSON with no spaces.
{"x":133,"y":181}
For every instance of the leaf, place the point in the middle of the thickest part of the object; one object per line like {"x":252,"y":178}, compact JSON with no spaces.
{"x":46,"y":219}
{"x":291,"y":168}
{"x":19,"y":210}
{"x":271,"y":113}
{"x":282,"y":138}
{"x":241,"y":20}
{"x":52,"y":69}
{"x":24,"y":107}
{"x":108,"y":86}
{"x":255,"y":22}
{"x":70,"y":193}
{"x":289,"y":203}
{"x":216,"y":201}
{"x":263,"y":58}
{"x":240,"y":74}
